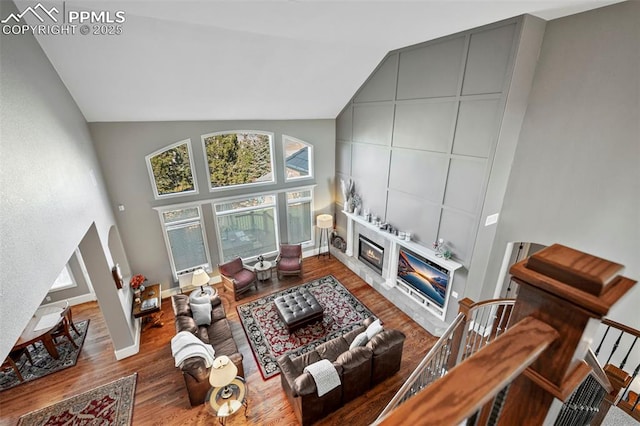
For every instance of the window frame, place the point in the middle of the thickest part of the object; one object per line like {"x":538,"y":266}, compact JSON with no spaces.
{"x":181,"y":223}
{"x":273,"y":181}
{"x":276,"y":220}
{"x":65,"y":286}
{"x":284,"y":158}
{"x":311,"y":242}
{"x":152,"y":178}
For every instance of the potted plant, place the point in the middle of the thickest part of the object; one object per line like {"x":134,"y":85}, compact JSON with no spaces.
{"x":137,"y":285}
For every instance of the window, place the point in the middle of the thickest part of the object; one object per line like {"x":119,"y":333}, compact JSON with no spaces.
{"x":247,"y":227}
{"x":239,"y":158}
{"x":171,"y":171}
{"x":299,"y":219}
{"x":185,"y":239}
{"x":65,"y":280}
{"x":298,"y":158}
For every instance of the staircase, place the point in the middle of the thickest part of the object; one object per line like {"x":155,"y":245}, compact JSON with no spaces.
{"x":523,"y":361}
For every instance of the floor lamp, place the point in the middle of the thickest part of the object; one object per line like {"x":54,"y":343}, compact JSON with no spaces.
{"x":324,"y":222}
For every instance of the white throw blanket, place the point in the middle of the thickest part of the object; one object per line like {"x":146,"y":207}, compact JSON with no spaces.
{"x":185,"y":345}
{"x":324,"y":374}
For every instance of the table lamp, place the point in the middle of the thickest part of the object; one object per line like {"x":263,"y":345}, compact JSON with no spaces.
{"x":199,"y":279}
{"x":223,"y":371}
{"x":324,"y":222}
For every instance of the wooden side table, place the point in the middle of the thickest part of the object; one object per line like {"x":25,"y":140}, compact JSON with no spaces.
{"x":151,"y":317}
{"x":263,"y":272}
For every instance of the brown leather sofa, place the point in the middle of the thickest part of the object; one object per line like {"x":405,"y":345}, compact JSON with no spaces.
{"x":218,"y":334}
{"x":359,"y":369}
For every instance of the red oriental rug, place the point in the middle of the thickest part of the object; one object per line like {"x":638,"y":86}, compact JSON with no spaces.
{"x":110,"y":404}
{"x":269,"y":338}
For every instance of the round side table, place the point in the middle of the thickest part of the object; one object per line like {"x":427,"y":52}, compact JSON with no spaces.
{"x":227,"y":400}
{"x":263,"y":272}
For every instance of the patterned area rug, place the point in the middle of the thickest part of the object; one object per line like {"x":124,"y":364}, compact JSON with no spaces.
{"x":43,"y":363}
{"x":110,"y":404}
{"x":269,"y":337}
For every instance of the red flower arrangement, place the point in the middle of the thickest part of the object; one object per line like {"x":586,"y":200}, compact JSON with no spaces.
{"x":136,"y":281}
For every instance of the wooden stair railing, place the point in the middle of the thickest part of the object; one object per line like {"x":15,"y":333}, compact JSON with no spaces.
{"x":472,"y":383}
{"x":432,"y":367}
{"x":477,"y":324}
{"x":561,"y":289}
{"x":618,"y":346}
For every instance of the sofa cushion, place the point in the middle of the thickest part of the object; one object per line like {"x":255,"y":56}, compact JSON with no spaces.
{"x":303,"y":360}
{"x":201,"y":313}
{"x":217,"y":313}
{"x":385,"y":340}
{"x":181,"y":305}
{"x":203,"y":333}
{"x":184,"y":323}
{"x":332,"y":349}
{"x":354,"y":358}
{"x":360,"y":340}
{"x":219,"y":331}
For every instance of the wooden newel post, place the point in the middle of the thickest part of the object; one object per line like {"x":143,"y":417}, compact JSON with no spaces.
{"x":571,"y":291}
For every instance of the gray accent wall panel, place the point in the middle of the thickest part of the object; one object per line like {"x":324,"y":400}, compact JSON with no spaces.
{"x":382,"y":84}
{"x":373,"y":123}
{"x":422,"y":174}
{"x":370,"y":174}
{"x":457,"y":230}
{"x":344,"y":124}
{"x":411,"y":214}
{"x":488,"y":60}
{"x":450,"y":147}
{"x":343,"y":158}
{"x":424,"y":125}
{"x":431,"y":71}
{"x":464,"y":184}
{"x":476,"y":128}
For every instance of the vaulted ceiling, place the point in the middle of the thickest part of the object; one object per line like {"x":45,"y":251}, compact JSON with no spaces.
{"x":218,"y":60}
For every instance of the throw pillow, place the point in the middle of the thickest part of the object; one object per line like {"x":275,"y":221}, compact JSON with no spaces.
{"x":373,"y":329}
{"x":201,"y":313}
{"x":360,"y":340}
{"x":195,"y":298}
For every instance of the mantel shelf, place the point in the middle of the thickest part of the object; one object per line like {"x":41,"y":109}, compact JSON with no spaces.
{"x":411,"y":245}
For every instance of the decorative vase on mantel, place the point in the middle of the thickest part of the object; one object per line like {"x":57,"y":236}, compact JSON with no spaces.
{"x":348,"y":207}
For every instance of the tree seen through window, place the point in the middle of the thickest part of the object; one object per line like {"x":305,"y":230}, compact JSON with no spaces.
{"x":238,"y":158}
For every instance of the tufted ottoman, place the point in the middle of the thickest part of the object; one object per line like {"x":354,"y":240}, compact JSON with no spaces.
{"x":298,"y":308}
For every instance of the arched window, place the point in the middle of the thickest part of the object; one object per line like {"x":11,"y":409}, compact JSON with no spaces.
{"x":239,"y":158}
{"x":298,"y":158}
{"x":171,"y":170}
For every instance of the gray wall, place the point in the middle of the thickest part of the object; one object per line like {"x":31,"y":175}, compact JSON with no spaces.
{"x":425,"y":141}
{"x":576,"y":174}
{"x":52,"y":190}
{"x":122,"y":148}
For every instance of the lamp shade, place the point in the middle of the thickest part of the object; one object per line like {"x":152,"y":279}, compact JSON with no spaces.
{"x":199,"y":278}
{"x":324,"y":221}
{"x":223,"y":371}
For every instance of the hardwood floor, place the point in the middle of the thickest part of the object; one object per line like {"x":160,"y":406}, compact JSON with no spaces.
{"x":161,"y":397}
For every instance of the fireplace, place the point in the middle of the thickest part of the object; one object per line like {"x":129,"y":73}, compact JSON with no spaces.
{"x":370,"y":253}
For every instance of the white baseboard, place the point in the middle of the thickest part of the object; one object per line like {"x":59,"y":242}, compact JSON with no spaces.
{"x":133,"y":349}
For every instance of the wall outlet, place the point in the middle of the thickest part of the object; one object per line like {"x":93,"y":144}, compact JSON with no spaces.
{"x":454,"y":294}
